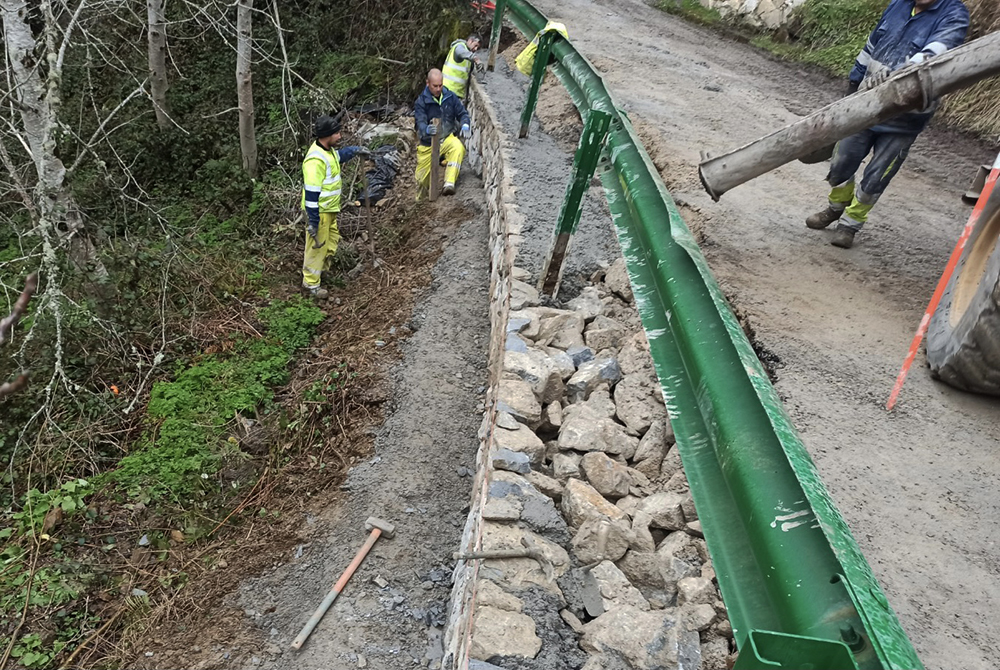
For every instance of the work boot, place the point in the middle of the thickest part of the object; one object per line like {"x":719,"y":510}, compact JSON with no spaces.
{"x":449,"y":189}
{"x":821,"y":220}
{"x":843,"y":237}
{"x":318,"y":292}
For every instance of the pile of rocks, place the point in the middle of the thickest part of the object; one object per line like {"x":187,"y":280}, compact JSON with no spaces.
{"x":586,"y":484}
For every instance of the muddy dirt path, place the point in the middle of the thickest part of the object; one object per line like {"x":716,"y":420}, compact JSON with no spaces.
{"x":918,"y":486}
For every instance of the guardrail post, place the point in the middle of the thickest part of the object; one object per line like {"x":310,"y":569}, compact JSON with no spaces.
{"x":537,"y":75}
{"x":499,"y":7}
{"x":595,"y":132}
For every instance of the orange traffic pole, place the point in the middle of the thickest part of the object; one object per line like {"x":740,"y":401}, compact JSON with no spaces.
{"x":949,"y":269}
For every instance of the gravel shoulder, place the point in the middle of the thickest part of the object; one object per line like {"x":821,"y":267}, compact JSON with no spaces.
{"x":916,"y":486}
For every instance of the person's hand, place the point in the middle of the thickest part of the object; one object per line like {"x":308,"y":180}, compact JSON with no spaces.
{"x":364,"y":152}
{"x":313,"y":227}
{"x":852,"y":88}
{"x":432,"y":129}
{"x":466,"y":132}
{"x":876,"y":79}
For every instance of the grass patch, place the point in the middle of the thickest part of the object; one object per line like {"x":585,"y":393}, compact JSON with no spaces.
{"x":691,"y":10}
{"x":178,"y":456}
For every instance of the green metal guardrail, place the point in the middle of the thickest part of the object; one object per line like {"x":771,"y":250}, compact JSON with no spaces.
{"x":798,"y":591}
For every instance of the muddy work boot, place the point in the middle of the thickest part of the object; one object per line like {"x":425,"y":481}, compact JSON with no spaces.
{"x":449,"y":189}
{"x":318,"y":292}
{"x":821,"y":220}
{"x":843,"y":237}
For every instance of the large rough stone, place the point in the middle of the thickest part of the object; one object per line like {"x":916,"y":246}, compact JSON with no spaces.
{"x":651,"y":640}
{"x":634,"y":356}
{"x":580,"y":501}
{"x":665,"y":510}
{"x":507,"y":508}
{"x":676,"y":544}
{"x":522,"y":440}
{"x":600,"y":539}
{"x":599,"y":404}
{"x":695,"y":591}
{"x":566,"y":465}
{"x":563,"y":362}
{"x":488,"y":594}
{"x":653,"y":445}
{"x":497,"y":632}
{"x":610,"y":478}
{"x":505,"y":420}
{"x":536,"y":368}
{"x":697,"y":617}
{"x":562,"y":329}
{"x":516,"y":574}
{"x":547,"y":485}
{"x":642,"y":569}
{"x":604,"y":333}
{"x":637,"y":406}
{"x":516,"y":397}
{"x":515,"y":343}
{"x":580,"y":355}
{"x":527,"y":322}
{"x":640,"y":527}
{"x":512,"y":461}
{"x":585,"y":430}
{"x":522,"y":295}
{"x":552,"y":416}
{"x":537,"y":511}
{"x":671,"y":464}
{"x":618,"y":281}
{"x":588,"y":303}
{"x":714,"y":653}
{"x":590,"y":375}
{"x":616,"y":590}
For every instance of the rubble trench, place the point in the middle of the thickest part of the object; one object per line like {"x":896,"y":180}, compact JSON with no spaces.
{"x":582,"y":548}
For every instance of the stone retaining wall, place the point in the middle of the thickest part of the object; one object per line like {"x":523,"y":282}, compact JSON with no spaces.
{"x":593,"y":551}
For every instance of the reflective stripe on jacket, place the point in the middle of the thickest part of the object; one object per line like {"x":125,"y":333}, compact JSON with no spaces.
{"x":903,"y":38}
{"x":321,"y":179}
{"x":456,"y":74}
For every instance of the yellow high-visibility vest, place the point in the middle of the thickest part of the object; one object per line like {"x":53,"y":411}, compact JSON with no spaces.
{"x":321,"y":174}
{"x":456,"y":75}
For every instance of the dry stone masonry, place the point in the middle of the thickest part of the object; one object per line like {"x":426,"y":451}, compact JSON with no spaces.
{"x":583,"y":547}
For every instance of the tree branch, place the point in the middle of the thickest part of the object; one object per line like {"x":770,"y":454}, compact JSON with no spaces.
{"x":7,"y":323}
{"x":66,"y":36}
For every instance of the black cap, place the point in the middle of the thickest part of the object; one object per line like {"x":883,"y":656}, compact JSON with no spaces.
{"x":325,"y":125}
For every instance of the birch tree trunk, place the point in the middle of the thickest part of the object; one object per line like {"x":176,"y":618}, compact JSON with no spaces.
{"x":39,"y":100}
{"x":244,"y":85}
{"x":158,"y":82}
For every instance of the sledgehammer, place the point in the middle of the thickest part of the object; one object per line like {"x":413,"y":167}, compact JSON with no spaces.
{"x":378,"y":527}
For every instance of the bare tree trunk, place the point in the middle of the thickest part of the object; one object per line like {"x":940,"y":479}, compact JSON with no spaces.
{"x":158,"y":82}
{"x":244,"y":85}
{"x":59,"y":219}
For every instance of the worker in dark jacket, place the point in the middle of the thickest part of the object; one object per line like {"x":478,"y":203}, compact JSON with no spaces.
{"x":437,"y":102}
{"x":909,"y":32}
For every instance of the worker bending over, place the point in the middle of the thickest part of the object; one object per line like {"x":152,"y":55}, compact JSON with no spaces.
{"x":461,"y":59}
{"x":437,"y":102}
{"x":321,"y":200}
{"x":909,"y":32}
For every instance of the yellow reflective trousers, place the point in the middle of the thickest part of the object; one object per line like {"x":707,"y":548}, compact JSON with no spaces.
{"x":452,"y":151}
{"x":318,"y":260}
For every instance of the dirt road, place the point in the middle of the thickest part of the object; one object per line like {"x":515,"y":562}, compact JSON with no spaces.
{"x":918,"y":486}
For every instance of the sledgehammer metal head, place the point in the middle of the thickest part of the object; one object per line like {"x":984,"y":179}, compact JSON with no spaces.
{"x":373,"y":522}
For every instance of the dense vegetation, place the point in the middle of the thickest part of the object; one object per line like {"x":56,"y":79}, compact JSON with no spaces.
{"x":165,"y":321}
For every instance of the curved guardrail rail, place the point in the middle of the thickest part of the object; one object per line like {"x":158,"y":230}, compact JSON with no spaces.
{"x":798,"y":591}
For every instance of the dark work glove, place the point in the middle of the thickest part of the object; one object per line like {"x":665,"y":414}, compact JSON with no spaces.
{"x":313,"y":224}
{"x":364,"y":153}
{"x":852,"y":88}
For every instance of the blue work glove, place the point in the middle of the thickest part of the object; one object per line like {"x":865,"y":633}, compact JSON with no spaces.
{"x":466,"y":132}
{"x":877,"y":79}
{"x":432,"y":129}
{"x":313,"y":224}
